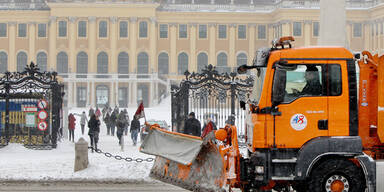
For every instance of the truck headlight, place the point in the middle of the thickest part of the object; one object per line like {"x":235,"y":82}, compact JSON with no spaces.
{"x":259,"y":169}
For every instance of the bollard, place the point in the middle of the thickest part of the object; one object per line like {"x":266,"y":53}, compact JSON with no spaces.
{"x":81,"y":154}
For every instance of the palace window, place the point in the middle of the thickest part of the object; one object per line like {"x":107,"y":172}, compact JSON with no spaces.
{"x":42,"y":30}
{"x":163,"y":31}
{"x":103,"y":29}
{"x":82,"y":29}
{"x":22,"y":30}
{"x":62,"y":28}
{"x":261,"y":32}
{"x":183,"y":31}
{"x":242,"y":32}
{"x":202,"y":31}
{"x":123,"y":29}
{"x":143,"y":29}
{"x":3,"y":29}
{"x":222,"y":31}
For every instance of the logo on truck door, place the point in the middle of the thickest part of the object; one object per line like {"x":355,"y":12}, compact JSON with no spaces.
{"x":298,"y":122}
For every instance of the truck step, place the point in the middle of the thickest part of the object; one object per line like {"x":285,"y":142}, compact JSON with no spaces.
{"x":289,"y":178}
{"x":292,"y":160}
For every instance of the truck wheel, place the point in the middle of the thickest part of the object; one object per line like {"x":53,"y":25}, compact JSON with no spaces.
{"x":337,"y":175}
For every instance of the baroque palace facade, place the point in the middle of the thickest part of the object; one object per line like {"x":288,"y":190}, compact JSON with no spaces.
{"x":122,"y":51}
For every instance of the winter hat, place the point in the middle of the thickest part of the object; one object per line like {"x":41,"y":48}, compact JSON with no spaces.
{"x":192,"y":114}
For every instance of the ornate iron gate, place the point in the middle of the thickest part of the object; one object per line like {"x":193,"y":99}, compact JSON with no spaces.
{"x":30,"y":108}
{"x":210,"y":94}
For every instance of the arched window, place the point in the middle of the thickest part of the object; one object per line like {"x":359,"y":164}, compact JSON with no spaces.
{"x":82,"y":63}
{"x":21,"y":61}
{"x":142,"y":63}
{"x":182,"y":63}
{"x":41,"y":61}
{"x":62,"y":62}
{"x":123,"y":63}
{"x":202,"y":61}
{"x":3,"y":62}
{"x":102,"y":63}
{"x":222,"y":63}
{"x":163,"y":62}
{"x":241,"y":59}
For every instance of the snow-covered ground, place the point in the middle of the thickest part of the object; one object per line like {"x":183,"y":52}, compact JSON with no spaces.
{"x":19,"y":163}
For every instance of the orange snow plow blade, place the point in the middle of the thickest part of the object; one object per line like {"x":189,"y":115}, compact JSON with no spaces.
{"x":189,"y":162}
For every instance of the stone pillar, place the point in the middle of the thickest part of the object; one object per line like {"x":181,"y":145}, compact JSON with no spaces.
{"x":81,"y":155}
{"x":12,"y":66}
{"x":251,"y":38}
{"x":270,"y":32}
{"x":172,"y":58}
{"x":349,"y":34}
{"x":32,"y":40}
{"x":367,"y":35}
{"x":132,"y":44}
{"x":88,"y":94}
{"x":192,"y":48}
{"x":332,"y":23}
{"x":52,"y":44}
{"x":92,"y":65}
{"x":286,"y":28}
{"x":93,"y":92}
{"x":153,"y":46}
{"x":307,"y":33}
{"x":133,"y":99}
{"x":70,"y":94}
{"x":112,"y":94}
{"x":113,"y":43}
{"x":74,"y":94}
{"x":151,"y":94}
{"x":232,"y":48}
{"x":72,"y":45}
{"x":212,"y":46}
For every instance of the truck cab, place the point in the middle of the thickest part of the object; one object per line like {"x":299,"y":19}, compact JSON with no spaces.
{"x":303,"y":115}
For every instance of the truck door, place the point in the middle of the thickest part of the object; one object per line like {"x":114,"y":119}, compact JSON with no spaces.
{"x":304,"y":109}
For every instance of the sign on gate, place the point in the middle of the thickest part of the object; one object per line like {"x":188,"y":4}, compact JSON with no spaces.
{"x":30,"y":120}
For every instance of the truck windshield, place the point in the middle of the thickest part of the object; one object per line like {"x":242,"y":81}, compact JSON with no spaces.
{"x":258,"y":85}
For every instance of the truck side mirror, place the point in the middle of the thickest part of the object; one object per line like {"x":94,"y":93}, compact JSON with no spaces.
{"x":278,"y":88}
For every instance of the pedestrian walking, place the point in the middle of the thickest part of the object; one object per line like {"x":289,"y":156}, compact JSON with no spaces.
{"x":112,"y":121}
{"x":127,"y":120}
{"x":94,"y":130}
{"x":71,"y":126}
{"x":98,"y":112}
{"x":107,"y":122}
{"x":91,"y":112}
{"x":135,"y":128}
{"x":120,"y":125}
{"x":83,"y":121}
{"x":192,"y":126}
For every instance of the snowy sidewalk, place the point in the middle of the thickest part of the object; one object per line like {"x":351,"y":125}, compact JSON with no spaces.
{"x":19,"y":163}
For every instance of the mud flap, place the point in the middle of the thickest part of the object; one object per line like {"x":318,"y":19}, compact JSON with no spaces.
{"x":184,"y":161}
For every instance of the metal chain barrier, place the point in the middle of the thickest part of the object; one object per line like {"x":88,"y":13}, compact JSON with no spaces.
{"x":118,"y":157}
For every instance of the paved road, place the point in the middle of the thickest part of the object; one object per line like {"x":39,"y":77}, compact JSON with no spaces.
{"x":87,"y":187}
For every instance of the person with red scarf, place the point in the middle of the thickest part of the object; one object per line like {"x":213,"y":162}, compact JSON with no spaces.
{"x":71,"y":126}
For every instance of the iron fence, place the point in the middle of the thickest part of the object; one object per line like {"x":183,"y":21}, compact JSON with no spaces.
{"x":211,"y":94}
{"x":30,"y":108}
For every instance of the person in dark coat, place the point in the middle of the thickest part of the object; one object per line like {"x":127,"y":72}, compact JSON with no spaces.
{"x":120,"y":125}
{"x":127,"y":120}
{"x":134,"y":130}
{"x":71,"y":126}
{"x":91,"y":112}
{"x":94,"y":130}
{"x":192,"y":126}
{"x":112,"y":121}
{"x":106,"y":119}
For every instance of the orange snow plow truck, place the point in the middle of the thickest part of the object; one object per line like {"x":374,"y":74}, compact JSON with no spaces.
{"x":315,"y":122}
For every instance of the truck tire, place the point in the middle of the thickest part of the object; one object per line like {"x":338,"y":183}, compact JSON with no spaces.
{"x":337,"y":175}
